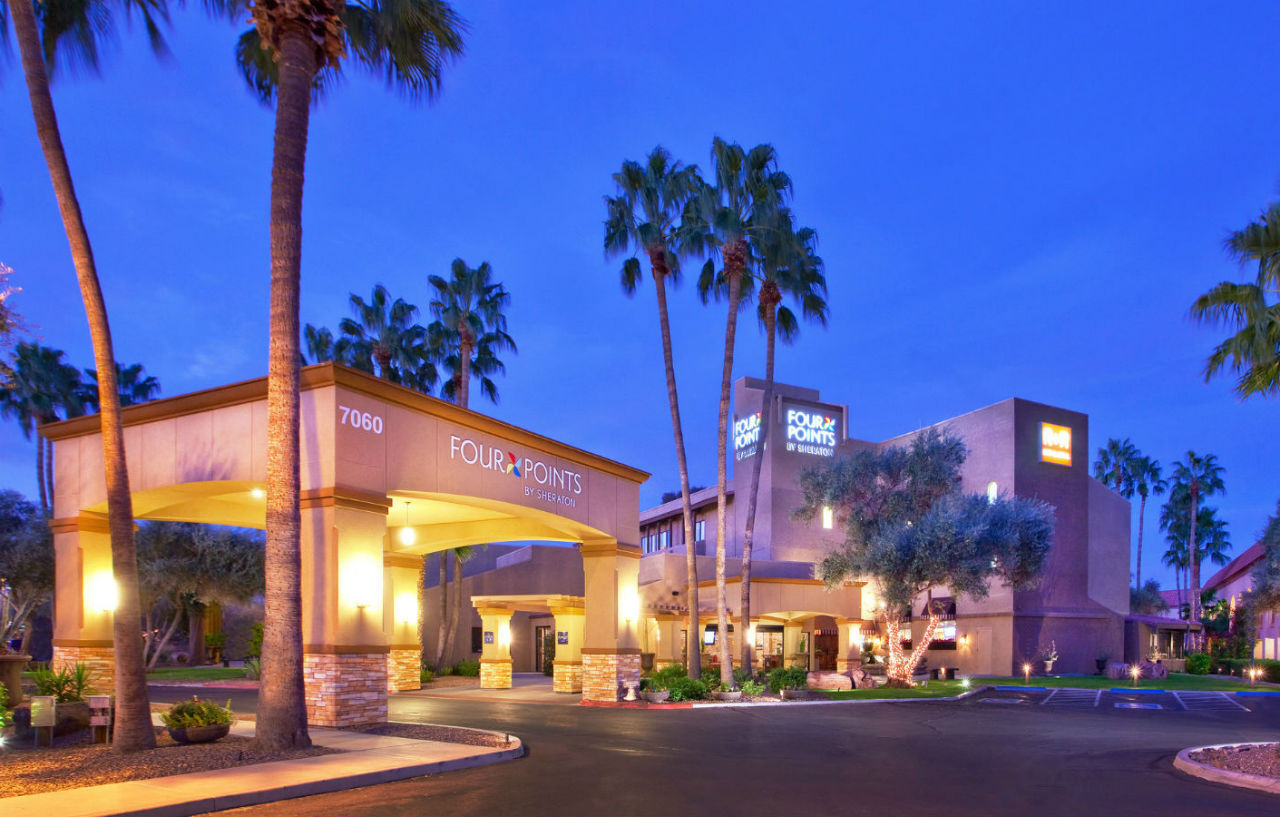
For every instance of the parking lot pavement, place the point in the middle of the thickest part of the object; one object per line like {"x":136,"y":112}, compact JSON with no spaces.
{"x":1123,"y":699}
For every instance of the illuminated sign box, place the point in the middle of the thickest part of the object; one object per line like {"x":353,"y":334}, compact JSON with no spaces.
{"x":1055,"y":444}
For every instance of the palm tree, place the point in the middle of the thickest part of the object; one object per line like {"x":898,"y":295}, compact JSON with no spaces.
{"x":1114,"y":465}
{"x":292,"y":54}
{"x":470,"y":327}
{"x":386,"y":333}
{"x":85,"y":22}
{"x":1194,"y":477}
{"x":1251,"y":311}
{"x":450,"y":630}
{"x":1213,"y":538}
{"x":789,"y":265}
{"x":41,"y":387}
{"x":644,"y":215}
{"x":746,"y":189}
{"x":134,"y":385}
{"x":1147,"y":481}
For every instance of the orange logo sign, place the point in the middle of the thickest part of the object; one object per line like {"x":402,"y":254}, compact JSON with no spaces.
{"x":1055,"y":444}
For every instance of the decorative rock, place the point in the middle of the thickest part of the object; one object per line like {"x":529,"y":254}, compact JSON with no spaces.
{"x":1116,"y":671}
{"x":862,"y":679}
{"x":1153,"y":669}
{"x":828,"y":680}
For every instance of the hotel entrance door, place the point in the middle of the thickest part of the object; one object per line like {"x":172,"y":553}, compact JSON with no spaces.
{"x":825,"y":647}
{"x":544,"y":648}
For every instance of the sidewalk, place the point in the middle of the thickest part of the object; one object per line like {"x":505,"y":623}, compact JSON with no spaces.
{"x":365,"y":760}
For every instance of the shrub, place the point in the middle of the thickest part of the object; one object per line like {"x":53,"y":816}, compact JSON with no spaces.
{"x":1240,"y":667}
{"x":255,"y":641}
{"x":663,"y":678}
{"x":1198,"y":663}
{"x":215,"y":641}
{"x":788,"y":678}
{"x":195,"y":712}
{"x":468,"y":667}
{"x":752,"y":689}
{"x":685,"y":688}
{"x":4,"y":706}
{"x":427,"y":675}
{"x":253,"y":668}
{"x":65,"y":685}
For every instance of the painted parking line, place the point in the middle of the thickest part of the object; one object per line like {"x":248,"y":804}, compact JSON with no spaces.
{"x":1079,"y":698}
{"x":1208,"y":702}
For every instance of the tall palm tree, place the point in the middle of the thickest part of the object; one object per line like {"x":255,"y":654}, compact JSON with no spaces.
{"x":85,"y":22}
{"x":789,"y":265}
{"x":1211,"y":531}
{"x":1194,"y":477}
{"x":1251,"y":311}
{"x":41,"y":388}
{"x":745,"y":189}
{"x":644,"y":215}
{"x":133,"y":383}
{"x":1148,"y":480}
{"x":1114,"y":466}
{"x":470,"y":321}
{"x":386,"y":333}
{"x":293,"y":53}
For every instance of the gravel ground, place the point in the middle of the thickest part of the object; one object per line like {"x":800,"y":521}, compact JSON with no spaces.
{"x":75,"y":761}
{"x":1260,"y":760}
{"x":422,"y":731}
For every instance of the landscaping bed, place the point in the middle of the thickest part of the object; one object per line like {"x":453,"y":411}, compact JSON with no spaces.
{"x":75,"y":761}
{"x":447,"y":681}
{"x":1262,"y":760}
{"x":424,"y":731}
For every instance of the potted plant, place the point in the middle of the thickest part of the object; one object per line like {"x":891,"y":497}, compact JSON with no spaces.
{"x":1101,"y":662}
{"x":726,"y":692}
{"x":657,"y":687}
{"x":213,"y":644}
{"x":1049,"y":655}
{"x":791,"y":682}
{"x":197,"y":721}
{"x":68,"y":686}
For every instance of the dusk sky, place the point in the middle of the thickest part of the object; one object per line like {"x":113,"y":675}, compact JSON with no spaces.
{"x":1011,"y":200}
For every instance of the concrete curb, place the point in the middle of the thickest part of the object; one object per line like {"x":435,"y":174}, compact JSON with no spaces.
{"x":1184,"y":763}
{"x":186,"y":794}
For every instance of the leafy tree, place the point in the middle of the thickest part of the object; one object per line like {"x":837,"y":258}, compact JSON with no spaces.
{"x":1251,"y":311}
{"x":1147,"y":601}
{"x":908,"y":529}
{"x":26,"y":564}
{"x":293,"y":54}
{"x":1195,"y":477}
{"x":1266,"y":573}
{"x":1148,"y":480}
{"x":643,"y":217}
{"x":788,"y":265}
{"x":741,"y":198}
{"x":470,"y":329}
{"x":70,"y":30}
{"x":43,"y":389}
{"x":385,"y":332}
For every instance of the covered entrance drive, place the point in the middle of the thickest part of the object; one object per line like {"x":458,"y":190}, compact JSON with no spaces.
{"x":388,"y":475}
{"x":568,"y":630}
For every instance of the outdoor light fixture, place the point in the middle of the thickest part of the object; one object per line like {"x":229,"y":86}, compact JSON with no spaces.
{"x":407,"y":534}
{"x":964,"y":639}
{"x":629,"y":607}
{"x":102,"y":593}
{"x":258,"y":493}
{"x":1135,"y":671}
{"x":964,"y":682}
{"x":1026,"y":673}
{"x":406,"y":608}
{"x":504,"y":634}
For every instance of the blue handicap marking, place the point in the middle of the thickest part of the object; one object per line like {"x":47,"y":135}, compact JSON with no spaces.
{"x":1136,"y":691}
{"x":1011,"y":688}
{"x":1258,"y":693}
{"x":1133,"y":705}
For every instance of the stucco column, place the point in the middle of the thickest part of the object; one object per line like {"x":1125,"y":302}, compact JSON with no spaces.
{"x":84,"y":598}
{"x":495,"y":650}
{"x":567,"y":666}
{"x":611,"y":644}
{"x":791,"y":654}
{"x":400,"y":616}
{"x":344,"y":647}
{"x":667,"y":642}
{"x":849,"y":646}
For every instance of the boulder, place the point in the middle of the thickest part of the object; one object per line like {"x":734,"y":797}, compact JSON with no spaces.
{"x":1116,"y":671}
{"x":828,"y":680}
{"x":1153,"y":669}
{"x":862,"y":679}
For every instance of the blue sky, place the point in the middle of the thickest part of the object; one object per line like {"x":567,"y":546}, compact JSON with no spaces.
{"x":1011,"y":201}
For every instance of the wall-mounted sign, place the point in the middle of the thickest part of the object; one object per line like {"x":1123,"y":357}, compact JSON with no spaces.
{"x":562,"y":636}
{"x":811,"y":432}
{"x":746,"y":434}
{"x":488,"y":636}
{"x":542,"y":481}
{"x":1055,"y":444}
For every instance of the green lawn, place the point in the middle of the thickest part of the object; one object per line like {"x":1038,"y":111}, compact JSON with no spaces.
{"x":194,"y":674}
{"x":935,"y":689}
{"x":1176,"y":680}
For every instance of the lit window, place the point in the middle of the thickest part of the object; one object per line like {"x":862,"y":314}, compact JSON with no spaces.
{"x":993,"y":492}
{"x":828,"y":517}
{"x":700,"y":530}
{"x":664,"y":540}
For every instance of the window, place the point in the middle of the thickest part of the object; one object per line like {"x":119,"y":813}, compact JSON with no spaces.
{"x":944,"y":638}
{"x":700,"y":530}
{"x":828,"y":517}
{"x":664,"y":540}
{"x":993,"y":492}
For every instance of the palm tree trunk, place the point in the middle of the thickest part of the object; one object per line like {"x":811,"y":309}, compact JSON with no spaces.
{"x":451,"y":637}
{"x":133,"y":710}
{"x":464,"y":370}
{"x":735,"y":265}
{"x":48,"y":472}
{"x":1142,"y":516}
{"x":44,"y":496}
{"x":282,"y":713}
{"x":1193,"y":557}
{"x":693,"y":657}
{"x":443,"y":630}
{"x":770,"y":334}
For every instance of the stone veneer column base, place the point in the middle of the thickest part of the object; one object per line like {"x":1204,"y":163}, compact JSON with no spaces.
{"x":606,"y":676}
{"x":404,"y":670}
{"x":345,"y":689}
{"x":101,"y":662}
{"x":566,"y":676}
{"x":495,"y":673}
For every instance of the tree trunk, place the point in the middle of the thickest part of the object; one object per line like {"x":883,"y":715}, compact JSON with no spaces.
{"x":1142,"y":514}
{"x":282,"y":713}
{"x":1193,"y":559}
{"x":48,"y":472}
{"x":443,"y":630}
{"x":693,"y":657}
{"x":168,"y":634}
{"x":735,"y":266}
{"x":766,"y":413}
{"x":133,"y":711}
{"x":451,"y":637}
{"x":44,"y":495}
{"x":464,"y":368}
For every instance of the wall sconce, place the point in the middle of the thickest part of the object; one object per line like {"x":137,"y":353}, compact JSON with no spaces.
{"x":258,"y":493}
{"x":360,"y":581}
{"x":964,"y":639}
{"x":406,"y":608}
{"x":407,"y":534}
{"x":629,"y":607}
{"x":101,"y":593}
{"x":504,"y":634}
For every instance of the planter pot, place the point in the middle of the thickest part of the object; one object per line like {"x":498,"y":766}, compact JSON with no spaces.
{"x":72,"y":717}
{"x":1101,"y":664}
{"x":732,"y":695}
{"x":794,"y":694}
{"x":646,"y":661}
{"x":11,"y":667}
{"x":1048,"y":667}
{"x":200,"y":734}
{"x":656,"y":696}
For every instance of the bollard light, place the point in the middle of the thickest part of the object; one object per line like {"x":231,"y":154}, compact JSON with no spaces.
{"x":1026,"y":674}
{"x":1135,"y":671}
